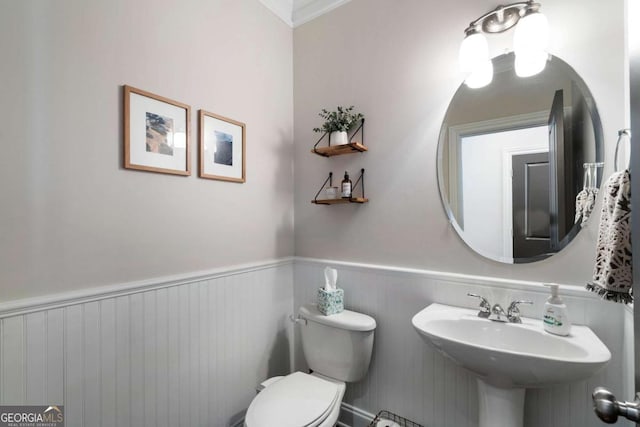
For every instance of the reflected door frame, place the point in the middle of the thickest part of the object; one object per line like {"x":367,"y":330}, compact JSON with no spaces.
{"x":458,"y":132}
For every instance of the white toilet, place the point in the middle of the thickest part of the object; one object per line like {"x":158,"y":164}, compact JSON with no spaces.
{"x":338,"y":350}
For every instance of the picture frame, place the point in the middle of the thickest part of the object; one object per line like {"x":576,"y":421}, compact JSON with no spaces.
{"x":222,"y":149}
{"x":156,"y":133}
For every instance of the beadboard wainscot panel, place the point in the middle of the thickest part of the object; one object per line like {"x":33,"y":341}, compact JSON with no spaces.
{"x":411,"y":379}
{"x":186,"y":350}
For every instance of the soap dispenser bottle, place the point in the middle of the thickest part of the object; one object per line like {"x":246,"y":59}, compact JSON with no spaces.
{"x":555,"y":317}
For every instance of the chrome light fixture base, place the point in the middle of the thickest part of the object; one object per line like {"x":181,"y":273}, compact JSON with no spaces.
{"x":530,"y":41}
{"x":502,"y":18}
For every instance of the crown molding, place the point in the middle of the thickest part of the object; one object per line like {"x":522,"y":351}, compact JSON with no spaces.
{"x":307,"y":10}
{"x":298,"y":12}
{"x":283,"y":9}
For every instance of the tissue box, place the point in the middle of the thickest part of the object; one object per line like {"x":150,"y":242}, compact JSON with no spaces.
{"x":330,"y":302}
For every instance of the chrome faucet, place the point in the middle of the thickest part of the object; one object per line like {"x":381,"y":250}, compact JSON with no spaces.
{"x":498,"y":314}
{"x":513,"y":312}
{"x":485,"y":307}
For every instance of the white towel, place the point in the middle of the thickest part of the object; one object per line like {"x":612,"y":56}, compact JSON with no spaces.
{"x":612,"y":274}
{"x":585,"y":201}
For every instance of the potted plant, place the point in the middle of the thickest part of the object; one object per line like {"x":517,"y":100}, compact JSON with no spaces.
{"x":337,"y":123}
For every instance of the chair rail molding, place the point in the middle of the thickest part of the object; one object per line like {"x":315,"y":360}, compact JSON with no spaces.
{"x":48,"y":302}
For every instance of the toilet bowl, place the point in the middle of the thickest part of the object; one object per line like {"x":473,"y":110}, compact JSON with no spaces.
{"x":338,"y":349}
{"x":297,"y":400}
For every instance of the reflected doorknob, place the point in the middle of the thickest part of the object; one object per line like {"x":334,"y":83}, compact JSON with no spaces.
{"x":608,"y":409}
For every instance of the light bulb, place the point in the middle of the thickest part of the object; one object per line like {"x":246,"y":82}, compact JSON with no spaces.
{"x":530,"y":64}
{"x":530,"y":44}
{"x":481,"y":76}
{"x":474,"y":51}
{"x":532,"y":34}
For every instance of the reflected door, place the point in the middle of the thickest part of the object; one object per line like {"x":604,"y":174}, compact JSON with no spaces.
{"x":560,"y":190}
{"x":530,"y":199}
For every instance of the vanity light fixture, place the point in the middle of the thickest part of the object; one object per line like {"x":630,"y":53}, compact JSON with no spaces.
{"x":530,"y":42}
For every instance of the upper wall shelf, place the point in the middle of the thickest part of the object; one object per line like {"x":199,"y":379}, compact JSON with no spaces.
{"x":338,"y":150}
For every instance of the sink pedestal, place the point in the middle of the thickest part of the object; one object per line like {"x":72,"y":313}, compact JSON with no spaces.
{"x":500,"y":407}
{"x":507,"y":354}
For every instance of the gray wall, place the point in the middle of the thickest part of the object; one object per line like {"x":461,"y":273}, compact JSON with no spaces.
{"x":71,"y":216}
{"x":398,"y":65}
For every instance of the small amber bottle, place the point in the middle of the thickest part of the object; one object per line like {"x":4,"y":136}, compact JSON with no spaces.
{"x":346,"y":186}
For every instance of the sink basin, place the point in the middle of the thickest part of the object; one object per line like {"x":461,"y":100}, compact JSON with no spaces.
{"x":509,"y":357}
{"x":510,"y":354}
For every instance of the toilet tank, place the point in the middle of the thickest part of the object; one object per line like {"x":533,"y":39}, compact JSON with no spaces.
{"x":338,"y":346}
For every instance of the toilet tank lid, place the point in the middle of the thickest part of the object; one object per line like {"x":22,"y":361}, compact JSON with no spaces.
{"x":349,"y":320}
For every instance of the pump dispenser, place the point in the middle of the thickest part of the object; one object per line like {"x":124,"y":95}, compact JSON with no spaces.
{"x":555,"y":318}
{"x":347,"y":187}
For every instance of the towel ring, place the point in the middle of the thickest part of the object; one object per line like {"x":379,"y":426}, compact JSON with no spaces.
{"x":621,"y":133}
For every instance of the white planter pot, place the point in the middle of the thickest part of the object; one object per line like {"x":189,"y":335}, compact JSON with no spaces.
{"x":339,"y":138}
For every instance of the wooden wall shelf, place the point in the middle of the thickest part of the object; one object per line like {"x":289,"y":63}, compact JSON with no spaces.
{"x":340,"y":201}
{"x":338,"y":150}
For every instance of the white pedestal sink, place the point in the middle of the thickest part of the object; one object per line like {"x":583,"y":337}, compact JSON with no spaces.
{"x":507,"y":358}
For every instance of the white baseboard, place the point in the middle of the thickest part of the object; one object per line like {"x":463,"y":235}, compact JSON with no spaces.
{"x":350,"y":416}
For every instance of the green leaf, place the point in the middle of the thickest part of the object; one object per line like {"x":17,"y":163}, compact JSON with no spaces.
{"x":343,"y":119}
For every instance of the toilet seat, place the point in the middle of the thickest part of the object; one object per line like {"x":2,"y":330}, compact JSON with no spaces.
{"x":297,"y":400}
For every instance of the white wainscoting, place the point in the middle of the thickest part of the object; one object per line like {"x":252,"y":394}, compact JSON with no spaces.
{"x":171,"y":352}
{"x":190,"y":350}
{"x":409,"y":378}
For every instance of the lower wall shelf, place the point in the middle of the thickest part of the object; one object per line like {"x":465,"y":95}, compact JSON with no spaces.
{"x":340,"y":201}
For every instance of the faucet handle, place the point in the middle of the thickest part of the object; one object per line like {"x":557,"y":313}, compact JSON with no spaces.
{"x":513,"y":312}
{"x":485,"y":307}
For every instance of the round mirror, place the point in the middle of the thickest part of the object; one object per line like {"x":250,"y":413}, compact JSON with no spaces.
{"x":520,"y":161}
